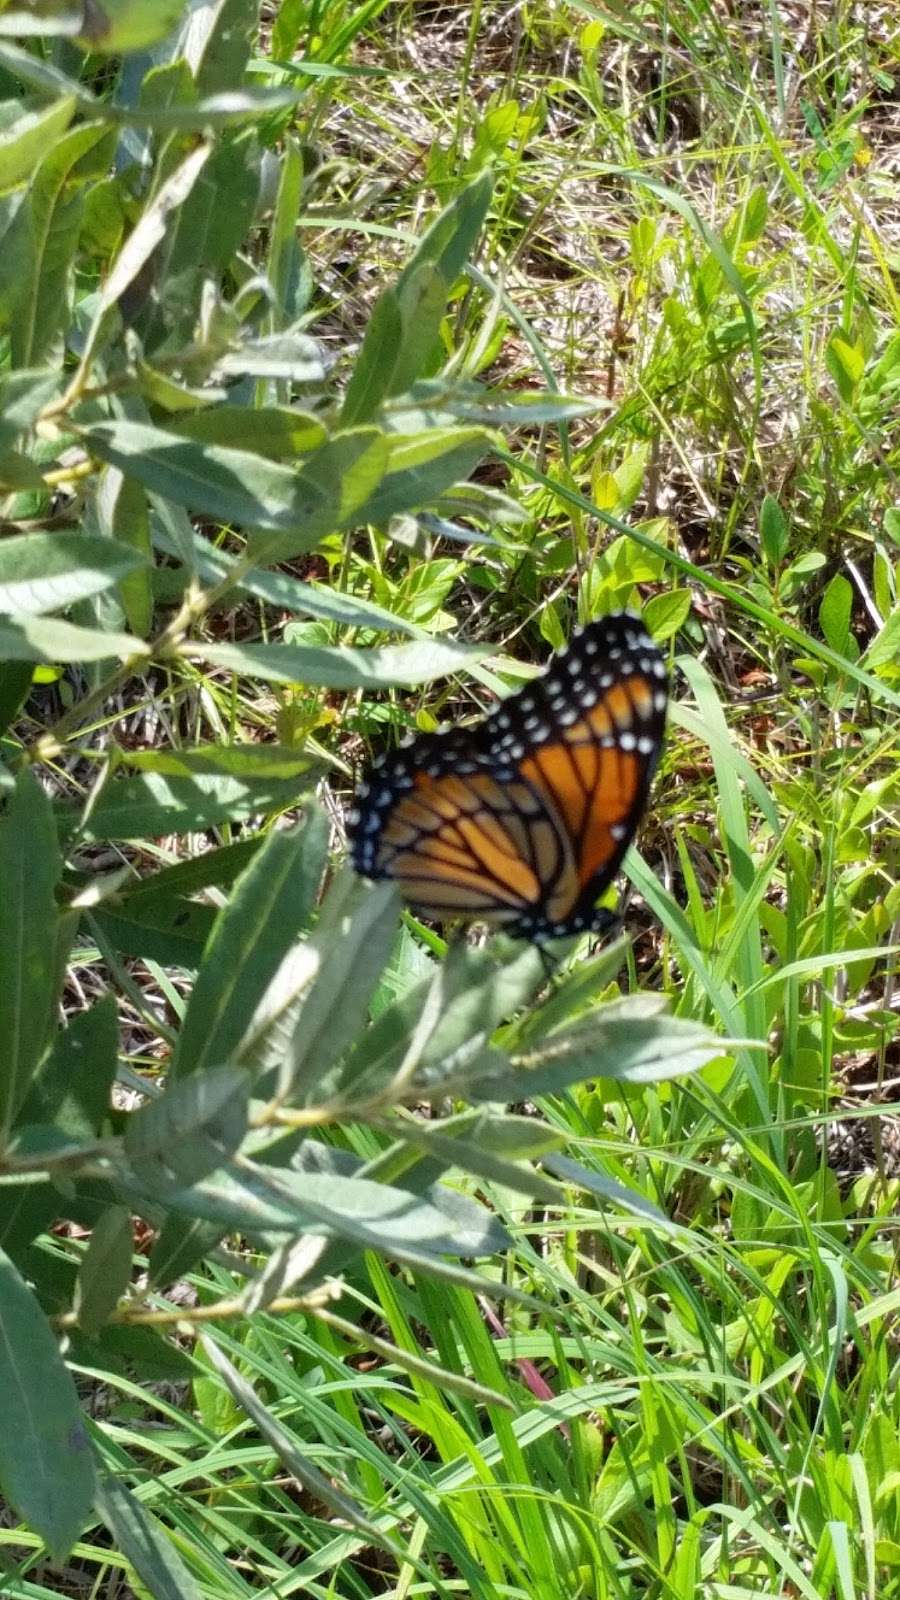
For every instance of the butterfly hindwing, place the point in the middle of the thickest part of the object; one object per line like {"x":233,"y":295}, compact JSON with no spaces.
{"x":524,"y":819}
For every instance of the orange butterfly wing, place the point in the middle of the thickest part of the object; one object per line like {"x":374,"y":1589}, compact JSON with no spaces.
{"x":524,"y":820}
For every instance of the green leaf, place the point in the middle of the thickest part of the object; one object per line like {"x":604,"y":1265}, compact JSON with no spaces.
{"x":191,"y":1129}
{"x":29,"y":872}
{"x":884,"y":651}
{"x":230,"y":485}
{"x":277,"y":432}
{"x":114,"y":27}
{"x":405,"y":665}
{"x":421,"y":468}
{"x":463,"y":1001}
{"x":221,"y":38}
{"x":15,"y":682}
{"x":157,"y":928}
{"x":403,"y":329}
{"x":319,"y":1001}
{"x":147,"y":235}
{"x":773,"y":531}
{"x":123,"y":516}
{"x":315,"y":1483}
{"x":628,"y":1041}
{"x":215,"y":218}
{"x":378,"y":1216}
{"x":49,"y":224}
{"x":50,"y":639}
{"x":271,"y":903}
{"x":213,"y":868}
{"x":891,"y":523}
{"x":144,"y":1543}
{"x":235,"y":760}
{"x":153,"y":805}
{"x":835,"y":611}
{"x":287,"y":270}
{"x":23,"y":395}
{"x":73,"y":1087}
{"x":846,"y":362}
{"x":46,"y":1469}
{"x":290,"y":594}
{"x":41,"y":572}
{"x":664,"y":614}
{"x":290,"y":355}
{"x":24,"y":143}
{"x":105,"y":1270}
{"x":287,"y":27}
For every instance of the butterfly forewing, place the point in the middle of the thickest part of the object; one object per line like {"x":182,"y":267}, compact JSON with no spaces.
{"x":524,"y":819}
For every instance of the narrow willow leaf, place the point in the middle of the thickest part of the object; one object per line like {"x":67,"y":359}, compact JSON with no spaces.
{"x":29,"y":138}
{"x":285,"y":263}
{"x":123,"y":516}
{"x":607,"y":1189}
{"x":619,"y":1043}
{"x":271,"y":903}
{"x":306,"y":599}
{"x":191,"y":1129}
{"x":230,"y":485}
{"x":72,"y":1090}
{"x":46,"y":1469}
{"x":105,"y":1270}
{"x":41,"y":572}
{"x":405,"y":665}
{"x":216,"y":41}
{"x":29,"y":872}
{"x":235,"y":760}
{"x":214,"y":868}
{"x":437,"y":402}
{"x":378,"y":1216}
{"x":341,"y":963}
{"x":403,"y":329}
{"x":152,"y":805}
{"x":290,"y":355}
{"x":447,"y":1017}
{"x":159,"y":928}
{"x":423,"y":467}
{"x":23,"y":396}
{"x":277,"y":432}
{"x":50,"y":221}
{"x":144,"y":1543}
{"x":52,"y":640}
{"x":228,"y":109}
{"x":149,"y":231}
{"x":180,"y":1243}
{"x":114,"y":27}
{"x":15,"y":682}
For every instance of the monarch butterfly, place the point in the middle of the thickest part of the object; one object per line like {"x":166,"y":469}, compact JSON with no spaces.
{"x":524,"y":819}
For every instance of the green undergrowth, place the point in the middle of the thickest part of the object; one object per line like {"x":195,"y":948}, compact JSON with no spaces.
{"x":352,"y":354}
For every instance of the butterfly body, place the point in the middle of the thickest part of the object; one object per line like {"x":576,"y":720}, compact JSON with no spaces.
{"x":523,"y":820}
